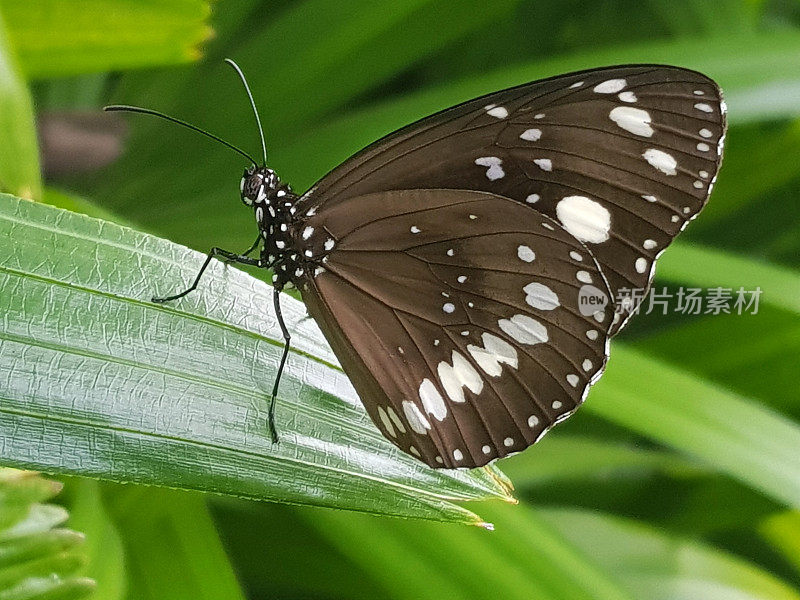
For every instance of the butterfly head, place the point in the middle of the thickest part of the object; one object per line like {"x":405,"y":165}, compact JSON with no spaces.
{"x":258,"y":185}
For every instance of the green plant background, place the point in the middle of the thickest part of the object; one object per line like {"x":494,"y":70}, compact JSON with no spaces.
{"x":680,"y":478}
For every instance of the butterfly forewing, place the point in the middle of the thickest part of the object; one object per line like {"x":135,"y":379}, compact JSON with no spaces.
{"x":621,"y":157}
{"x":457,"y":316}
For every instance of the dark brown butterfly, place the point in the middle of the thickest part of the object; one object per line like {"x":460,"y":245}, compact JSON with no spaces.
{"x":469,"y":269}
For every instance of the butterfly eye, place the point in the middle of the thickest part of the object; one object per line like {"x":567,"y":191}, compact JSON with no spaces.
{"x":251,"y":187}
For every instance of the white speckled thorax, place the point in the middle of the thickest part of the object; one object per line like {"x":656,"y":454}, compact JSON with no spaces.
{"x":293,"y":250}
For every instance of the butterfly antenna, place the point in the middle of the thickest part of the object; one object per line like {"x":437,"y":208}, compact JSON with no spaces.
{"x":155,"y":113}
{"x":253,"y":104}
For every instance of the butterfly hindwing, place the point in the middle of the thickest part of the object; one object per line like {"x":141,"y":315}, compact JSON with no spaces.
{"x":622,"y":157}
{"x":457,"y":316}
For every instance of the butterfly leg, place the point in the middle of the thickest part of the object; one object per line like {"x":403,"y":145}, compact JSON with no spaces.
{"x":229,"y":256}
{"x":287,"y":338}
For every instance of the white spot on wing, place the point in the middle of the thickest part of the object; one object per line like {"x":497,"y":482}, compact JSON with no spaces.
{"x":533,"y":421}
{"x":573,"y":380}
{"x":395,"y":419}
{"x":525,"y":253}
{"x":611,"y":86}
{"x":545,"y":164}
{"x":703,"y":107}
{"x":495,"y":171}
{"x":585,"y":219}
{"x":531,"y":135}
{"x":649,"y":244}
{"x":307,"y":232}
{"x":454,"y":377}
{"x":660,"y":160}
{"x":583,"y":277}
{"x":650,"y":198}
{"x":498,"y":112}
{"x":524,"y":329}
{"x":641,"y":264}
{"x":706,"y":133}
{"x":458,"y":455}
{"x":432,"y":400}
{"x":415,"y":418}
{"x":532,"y":199}
{"x":448,"y":307}
{"x":415,"y":229}
{"x":592,"y":334}
{"x":632,"y":119}
{"x":627,"y":96}
{"x":540,"y":296}
{"x":494,"y":352}
{"x":387,"y":424}
{"x":508,"y":442}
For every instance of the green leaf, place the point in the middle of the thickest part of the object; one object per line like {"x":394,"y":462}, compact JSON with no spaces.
{"x":559,"y":458}
{"x":523,"y":558}
{"x":19,"y":154}
{"x":98,"y":381}
{"x":735,"y":435}
{"x":696,"y":265}
{"x":61,"y":37}
{"x":105,"y":556}
{"x":172,"y":549}
{"x":656,"y":566}
{"x":782,"y":530}
{"x":37,"y":561}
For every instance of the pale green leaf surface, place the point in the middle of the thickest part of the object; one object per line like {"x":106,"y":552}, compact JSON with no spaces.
{"x":732,"y":434}
{"x":98,"y":381}
{"x":658,"y":566}
{"x":62,"y":37}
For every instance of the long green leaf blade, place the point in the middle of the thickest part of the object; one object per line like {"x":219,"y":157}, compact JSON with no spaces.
{"x":59,"y":37}
{"x":747,"y":441}
{"x":696,"y":265}
{"x":96,"y":380}
{"x":658,"y":566}
{"x":19,"y":154}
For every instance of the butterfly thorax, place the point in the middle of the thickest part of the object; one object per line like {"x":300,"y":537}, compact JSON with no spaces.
{"x":291,"y":247}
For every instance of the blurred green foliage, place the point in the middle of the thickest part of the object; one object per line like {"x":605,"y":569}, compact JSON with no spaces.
{"x":679,"y":479}
{"x":39,"y":559}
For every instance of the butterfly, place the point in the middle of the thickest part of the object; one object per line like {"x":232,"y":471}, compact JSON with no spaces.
{"x":469,"y":269}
